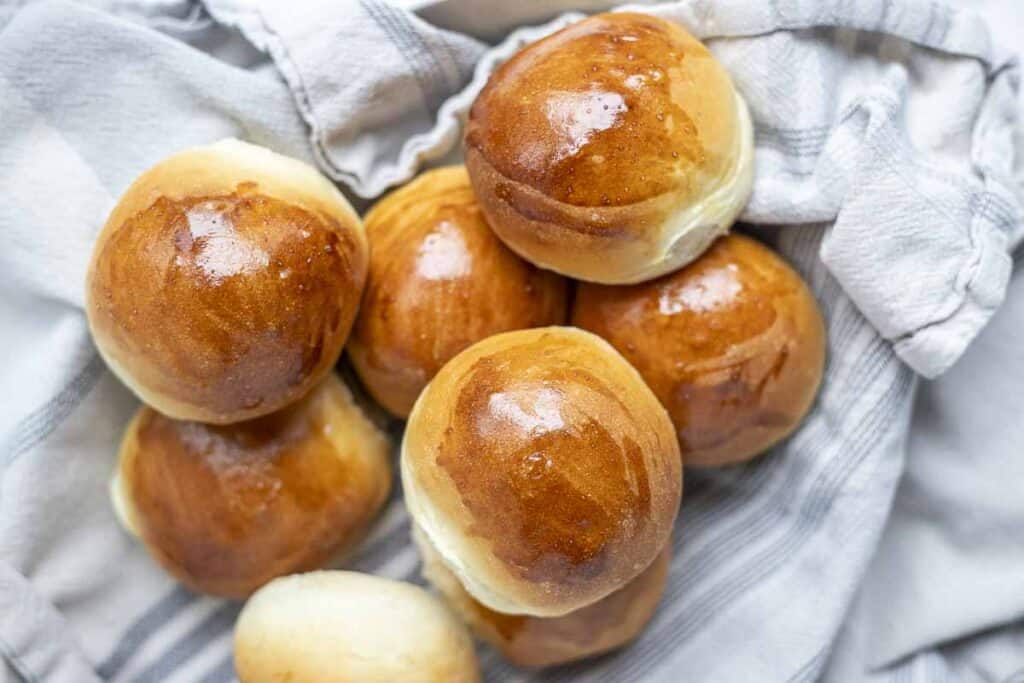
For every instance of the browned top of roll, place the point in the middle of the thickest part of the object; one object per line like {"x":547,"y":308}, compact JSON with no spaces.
{"x":219,"y":291}
{"x":543,"y":469}
{"x":227,"y":508}
{"x":612,"y":110}
{"x":733,"y":345}
{"x":439,"y":280}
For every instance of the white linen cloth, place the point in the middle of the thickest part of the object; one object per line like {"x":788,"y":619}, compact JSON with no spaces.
{"x":885,"y":172}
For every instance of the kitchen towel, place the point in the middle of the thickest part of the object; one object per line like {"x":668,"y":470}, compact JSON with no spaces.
{"x":885,"y":172}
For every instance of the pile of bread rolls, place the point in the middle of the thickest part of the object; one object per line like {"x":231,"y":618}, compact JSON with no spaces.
{"x":564,"y":323}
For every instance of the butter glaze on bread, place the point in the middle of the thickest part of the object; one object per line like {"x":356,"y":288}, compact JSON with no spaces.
{"x":733,"y":345}
{"x":224,"y":284}
{"x":542,"y":469}
{"x":346,"y":627}
{"x":530,"y":641}
{"x":613,"y":151}
{"x":227,"y":508}
{"x":439,"y":281}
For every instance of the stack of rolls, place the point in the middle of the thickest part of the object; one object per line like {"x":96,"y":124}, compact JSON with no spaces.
{"x":565,"y":322}
{"x":617,"y":152}
{"x":221,"y":291}
{"x":542,"y":468}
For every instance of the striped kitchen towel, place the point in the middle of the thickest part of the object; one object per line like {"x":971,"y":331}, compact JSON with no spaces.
{"x":885,"y":174}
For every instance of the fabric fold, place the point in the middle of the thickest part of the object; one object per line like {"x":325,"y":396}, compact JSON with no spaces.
{"x":34,"y":638}
{"x":368,"y":78}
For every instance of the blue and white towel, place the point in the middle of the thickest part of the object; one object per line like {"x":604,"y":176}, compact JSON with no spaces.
{"x":882,"y":542}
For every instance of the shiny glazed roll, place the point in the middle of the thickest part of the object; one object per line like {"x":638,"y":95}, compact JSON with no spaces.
{"x":345,"y":627}
{"x":612,"y":151}
{"x":529,"y":641}
{"x":733,"y":345}
{"x":542,"y":469}
{"x":225,"y":282}
{"x":227,"y":508}
{"x":439,"y":281}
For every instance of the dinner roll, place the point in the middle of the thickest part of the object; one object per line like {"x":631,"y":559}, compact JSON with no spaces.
{"x":225,"y":281}
{"x":599,"y":627}
{"x":733,"y":345}
{"x":614,"y":150}
{"x":542,"y":469}
{"x":345,"y":627}
{"x":439,"y":280}
{"x":227,"y":508}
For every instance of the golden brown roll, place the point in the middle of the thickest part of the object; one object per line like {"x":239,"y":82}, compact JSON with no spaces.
{"x":225,"y":282}
{"x":613,"y":151}
{"x":227,"y":508}
{"x":542,"y":469}
{"x":733,"y":345}
{"x":439,"y":281}
{"x":529,"y":641}
{"x":345,"y":627}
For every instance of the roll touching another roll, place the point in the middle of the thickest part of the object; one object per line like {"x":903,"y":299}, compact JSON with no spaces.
{"x":439,"y":281}
{"x":227,"y":508}
{"x":733,"y":345}
{"x":343,"y":627}
{"x":599,"y":627}
{"x":612,"y":151}
{"x":542,"y":469}
{"x":224,"y":284}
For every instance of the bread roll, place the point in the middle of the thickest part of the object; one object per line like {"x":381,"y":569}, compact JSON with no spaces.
{"x":604,"y":625}
{"x":542,"y":469}
{"x":227,"y":508}
{"x":225,"y":282}
{"x":439,"y":280}
{"x":344,"y":627}
{"x":733,"y":345}
{"x":613,"y":151}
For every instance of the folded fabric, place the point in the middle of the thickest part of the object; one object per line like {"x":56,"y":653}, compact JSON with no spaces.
{"x":884,"y":173}
{"x":370,"y":80}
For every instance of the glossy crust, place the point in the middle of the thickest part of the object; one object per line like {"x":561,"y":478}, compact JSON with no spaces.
{"x":227,"y":508}
{"x":439,"y":281}
{"x":613,"y":151}
{"x":543,"y":470}
{"x":224,"y":284}
{"x":344,"y":627}
{"x":733,"y":345}
{"x":529,"y":641}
